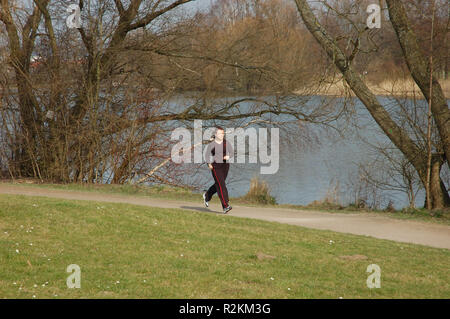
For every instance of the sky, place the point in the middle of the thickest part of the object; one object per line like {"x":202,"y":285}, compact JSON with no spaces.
{"x":199,"y":4}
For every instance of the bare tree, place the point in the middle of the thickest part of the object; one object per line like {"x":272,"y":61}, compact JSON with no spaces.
{"x":419,"y":71}
{"x":97,"y":105}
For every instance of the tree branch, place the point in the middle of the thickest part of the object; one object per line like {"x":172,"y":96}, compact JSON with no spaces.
{"x":154,"y":14}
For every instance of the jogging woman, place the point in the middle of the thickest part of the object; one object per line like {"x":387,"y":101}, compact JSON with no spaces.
{"x":217,"y":156}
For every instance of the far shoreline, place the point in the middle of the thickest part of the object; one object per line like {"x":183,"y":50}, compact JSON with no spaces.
{"x":399,"y":88}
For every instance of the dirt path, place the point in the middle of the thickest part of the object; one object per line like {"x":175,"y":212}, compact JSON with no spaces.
{"x":415,"y":232}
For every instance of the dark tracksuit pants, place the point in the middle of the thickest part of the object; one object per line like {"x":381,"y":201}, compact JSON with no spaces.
{"x":219,"y":173}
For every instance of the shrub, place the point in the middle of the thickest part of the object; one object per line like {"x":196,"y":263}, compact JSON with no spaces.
{"x":259,"y":193}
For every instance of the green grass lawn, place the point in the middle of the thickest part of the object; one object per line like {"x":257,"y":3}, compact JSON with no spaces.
{"x":128,"y":251}
{"x":178,"y":193}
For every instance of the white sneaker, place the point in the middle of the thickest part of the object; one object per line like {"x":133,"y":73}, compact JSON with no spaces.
{"x":204,"y":200}
{"x":227,"y":209}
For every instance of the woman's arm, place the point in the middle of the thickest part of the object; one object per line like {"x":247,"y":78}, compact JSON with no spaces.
{"x":229,"y":152}
{"x":208,"y":154}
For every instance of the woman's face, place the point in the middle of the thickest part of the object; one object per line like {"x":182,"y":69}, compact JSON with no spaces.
{"x":220,"y":134}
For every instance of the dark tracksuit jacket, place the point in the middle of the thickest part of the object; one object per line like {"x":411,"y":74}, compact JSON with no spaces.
{"x":214,"y":155}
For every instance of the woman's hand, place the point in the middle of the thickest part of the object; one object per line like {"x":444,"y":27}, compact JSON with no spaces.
{"x":210,"y":166}
{"x":226,"y":157}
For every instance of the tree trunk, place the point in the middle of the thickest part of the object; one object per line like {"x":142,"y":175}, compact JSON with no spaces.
{"x":420,"y":71}
{"x":438,"y":192}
